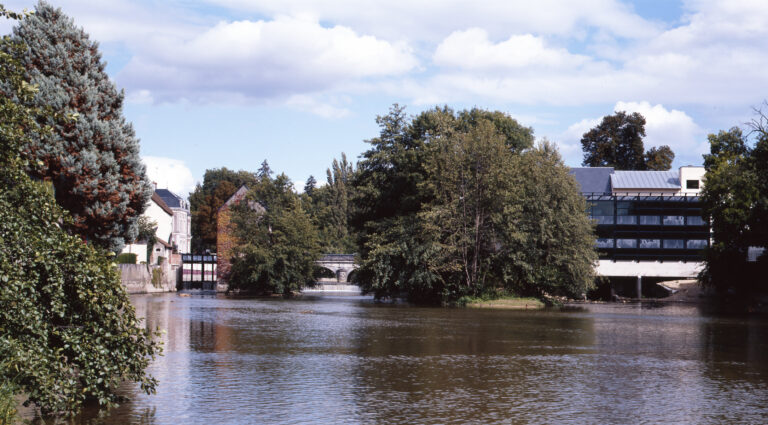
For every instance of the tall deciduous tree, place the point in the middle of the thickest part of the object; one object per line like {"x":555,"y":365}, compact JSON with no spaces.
{"x":618,"y":142}
{"x":277,"y":245}
{"x":93,"y":160}
{"x":484,"y":211}
{"x":218,"y":186}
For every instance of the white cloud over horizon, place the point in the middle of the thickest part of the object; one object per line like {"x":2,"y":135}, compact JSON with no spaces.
{"x":283,"y":57}
{"x":171,"y":174}
{"x":663,"y":126}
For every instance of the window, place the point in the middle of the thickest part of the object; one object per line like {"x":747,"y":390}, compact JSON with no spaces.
{"x":697,"y":244}
{"x":603,"y":219}
{"x":602,"y":208}
{"x":626,"y":243}
{"x":626,"y":219}
{"x":650,"y":220}
{"x":691,"y":184}
{"x":673,"y":244}
{"x":604,"y":243}
{"x":695,"y":220}
{"x":674,"y":220}
{"x":650,"y":243}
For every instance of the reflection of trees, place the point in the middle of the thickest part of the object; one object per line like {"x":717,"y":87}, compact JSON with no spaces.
{"x":422,"y":365}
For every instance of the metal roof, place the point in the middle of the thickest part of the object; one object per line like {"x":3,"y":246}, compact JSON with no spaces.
{"x":593,"y":179}
{"x":645,"y":180}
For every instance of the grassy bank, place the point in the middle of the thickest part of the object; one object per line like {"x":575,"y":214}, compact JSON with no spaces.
{"x":505,"y":302}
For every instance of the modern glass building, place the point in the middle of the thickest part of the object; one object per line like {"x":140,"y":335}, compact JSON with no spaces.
{"x":646,"y":215}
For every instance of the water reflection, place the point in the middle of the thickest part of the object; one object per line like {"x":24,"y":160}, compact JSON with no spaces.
{"x":348,"y":360}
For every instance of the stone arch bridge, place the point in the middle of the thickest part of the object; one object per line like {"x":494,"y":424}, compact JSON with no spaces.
{"x":341,"y":265}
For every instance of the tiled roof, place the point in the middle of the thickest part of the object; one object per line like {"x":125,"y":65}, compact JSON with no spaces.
{"x":645,"y":180}
{"x":593,"y":179}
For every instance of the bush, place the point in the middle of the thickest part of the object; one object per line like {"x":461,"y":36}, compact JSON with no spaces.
{"x":67,"y":329}
{"x":126,"y":258}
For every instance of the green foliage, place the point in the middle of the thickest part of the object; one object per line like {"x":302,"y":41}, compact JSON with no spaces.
{"x":218,"y":186}
{"x":92,"y":154}
{"x":735,"y":197}
{"x":659,"y":159}
{"x":330,"y":207}
{"x":454,"y":205}
{"x":277,"y":242}
{"x":618,"y":142}
{"x":67,"y":329}
{"x":8,"y":413}
{"x":157,"y":275}
{"x":126,"y":258}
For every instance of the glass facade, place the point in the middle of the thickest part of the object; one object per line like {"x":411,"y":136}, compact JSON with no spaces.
{"x":643,"y":228}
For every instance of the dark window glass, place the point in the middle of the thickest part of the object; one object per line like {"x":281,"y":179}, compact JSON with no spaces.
{"x":650,"y":220}
{"x":650,"y":243}
{"x":691,"y":184}
{"x":626,"y":243}
{"x":604,"y":243}
{"x":694,"y":220}
{"x":697,"y":244}
{"x":673,"y":244}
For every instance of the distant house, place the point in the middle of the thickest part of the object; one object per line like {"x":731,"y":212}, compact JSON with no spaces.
{"x":159,"y":212}
{"x":181,"y":233}
{"x":225,"y":238}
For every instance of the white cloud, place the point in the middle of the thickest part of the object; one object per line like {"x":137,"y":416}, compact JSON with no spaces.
{"x":262,"y":59}
{"x":472,"y":50}
{"x":663,"y":126}
{"x":670,"y":127}
{"x":429,"y":21}
{"x":314,"y":106}
{"x":171,"y":174}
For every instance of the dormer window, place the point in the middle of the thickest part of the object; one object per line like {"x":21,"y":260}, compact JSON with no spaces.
{"x":691,"y":184}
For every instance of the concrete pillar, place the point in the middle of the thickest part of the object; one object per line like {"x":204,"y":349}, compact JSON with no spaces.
{"x":639,"y":287}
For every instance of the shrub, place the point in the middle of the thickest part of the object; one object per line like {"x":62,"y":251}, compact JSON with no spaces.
{"x":126,"y":258}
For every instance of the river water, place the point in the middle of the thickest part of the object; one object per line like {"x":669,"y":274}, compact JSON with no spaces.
{"x":348,"y":360}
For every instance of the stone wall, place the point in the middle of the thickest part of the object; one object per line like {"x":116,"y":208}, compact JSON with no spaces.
{"x":142,"y":279}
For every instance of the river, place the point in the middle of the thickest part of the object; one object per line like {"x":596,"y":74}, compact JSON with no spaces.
{"x":348,"y":360}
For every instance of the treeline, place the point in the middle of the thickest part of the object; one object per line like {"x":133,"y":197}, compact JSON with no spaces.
{"x":443,"y":205}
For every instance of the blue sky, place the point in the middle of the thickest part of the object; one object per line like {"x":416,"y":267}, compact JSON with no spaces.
{"x":233,"y":82}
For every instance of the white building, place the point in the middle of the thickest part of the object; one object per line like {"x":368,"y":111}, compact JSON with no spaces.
{"x":158,"y":212}
{"x":181,"y":234}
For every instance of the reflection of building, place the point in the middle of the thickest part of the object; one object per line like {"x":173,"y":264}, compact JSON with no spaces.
{"x":181,"y":234}
{"x":647,"y":215}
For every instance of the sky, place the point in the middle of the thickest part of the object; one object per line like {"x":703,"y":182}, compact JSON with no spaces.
{"x":229,"y":83}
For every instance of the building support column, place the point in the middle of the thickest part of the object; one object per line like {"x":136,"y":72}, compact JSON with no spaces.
{"x":639,"y":287}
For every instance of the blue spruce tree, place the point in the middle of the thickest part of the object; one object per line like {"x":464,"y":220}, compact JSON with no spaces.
{"x":92,"y":156}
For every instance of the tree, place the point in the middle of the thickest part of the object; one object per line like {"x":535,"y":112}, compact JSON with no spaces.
{"x":331,"y":206}
{"x":264,"y":171}
{"x":92,"y":161}
{"x":219,"y":184}
{"x":659,"y":159}
{"x":735,"y":198}
{"x":484,"y":211}
{"x":618,"y":142}
{"x":68,"y":332}
{"x":277,"y":246}
{"x":548,"y":240}
{"x":310,"y":185}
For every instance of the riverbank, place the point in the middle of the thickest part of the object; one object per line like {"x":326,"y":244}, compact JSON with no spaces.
{"x":506,"y":303}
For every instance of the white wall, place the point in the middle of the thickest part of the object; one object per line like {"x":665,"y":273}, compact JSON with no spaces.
{"x":691,"y":173}
{"x":162,"y":218}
